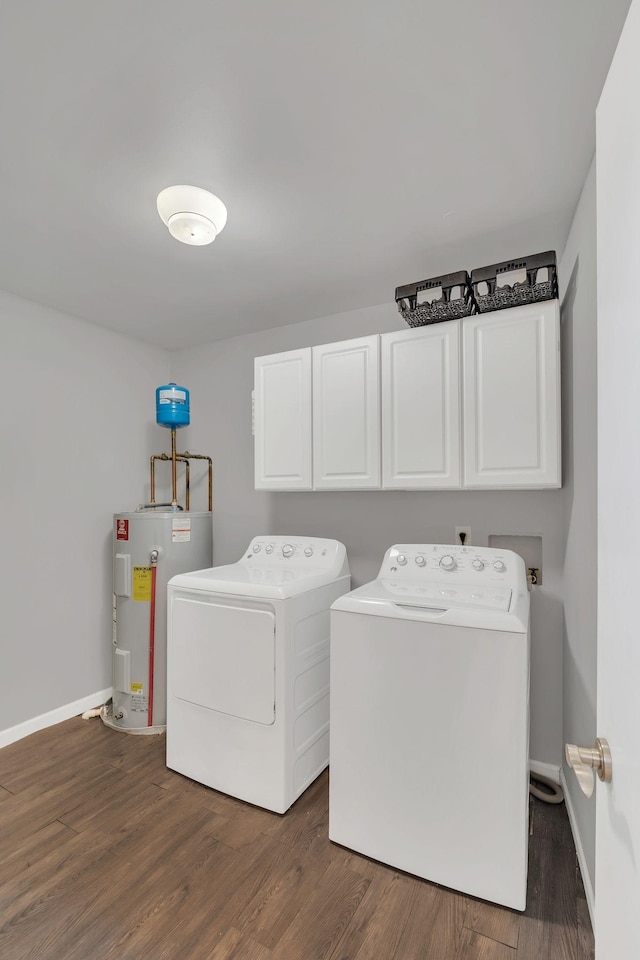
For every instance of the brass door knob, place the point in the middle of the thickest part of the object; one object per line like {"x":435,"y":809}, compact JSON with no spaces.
{"x":584,"y":760}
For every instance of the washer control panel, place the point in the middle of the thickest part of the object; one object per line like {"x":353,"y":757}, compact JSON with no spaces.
{"x":295,"y":551}
{"x":439,"y":562}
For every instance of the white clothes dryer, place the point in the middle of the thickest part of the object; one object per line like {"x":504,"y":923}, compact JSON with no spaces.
{"x":248,"y":669}
{"x":430,"y":718}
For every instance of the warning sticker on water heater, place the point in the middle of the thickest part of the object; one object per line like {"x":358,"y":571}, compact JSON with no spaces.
{"x":122,"y":529}
{"x":181,"y":530}
{"x":142,"y":584}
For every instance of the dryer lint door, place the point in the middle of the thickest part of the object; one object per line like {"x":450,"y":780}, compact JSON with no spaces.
{"x":224,"y":658}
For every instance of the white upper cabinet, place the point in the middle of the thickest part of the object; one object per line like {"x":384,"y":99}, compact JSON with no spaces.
{"x":420,"y":407}
{"x":471,"y":403}
{"x":282,"y":425}
{"x":346,"y":415}
{"x":511,"y":370}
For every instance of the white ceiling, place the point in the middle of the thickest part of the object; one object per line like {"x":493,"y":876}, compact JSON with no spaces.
{"x":358,"y":145}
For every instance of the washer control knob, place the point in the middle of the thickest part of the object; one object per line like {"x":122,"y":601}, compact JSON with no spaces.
{"x":256,"y":548}
{"x":499,"y":566}
{"x":478,"y":564}
{"x":269,"y":549}
{"x":308,"y":551}
{"x":401,"y":559}
{"x":420,"y":561}
{"x":447,"y":562}
{"x":288,"y":550}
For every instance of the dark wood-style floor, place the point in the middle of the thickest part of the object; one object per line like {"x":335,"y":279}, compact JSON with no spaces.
{"x":104,"y":853}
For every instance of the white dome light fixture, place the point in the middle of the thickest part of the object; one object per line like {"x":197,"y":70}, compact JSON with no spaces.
{"x":193,"y":215}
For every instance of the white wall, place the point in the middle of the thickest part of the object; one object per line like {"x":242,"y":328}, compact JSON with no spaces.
{"x":579,"y":377}
{"x":220,"y":377}
{"x":77,"y":431}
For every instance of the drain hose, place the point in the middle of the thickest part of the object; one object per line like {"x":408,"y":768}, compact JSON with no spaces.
{"x":552,"y":795}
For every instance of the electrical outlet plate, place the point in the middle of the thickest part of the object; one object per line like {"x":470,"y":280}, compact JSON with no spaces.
{"x":467,"y":535}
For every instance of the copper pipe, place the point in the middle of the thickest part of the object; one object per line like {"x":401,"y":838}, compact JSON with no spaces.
{"x":152,"y":485}
{"x":165,"y":456}
{"x":201,"y":456}
{"x":186,"y":481}
{"x":174,"y":471}
{"x":182,"y":458}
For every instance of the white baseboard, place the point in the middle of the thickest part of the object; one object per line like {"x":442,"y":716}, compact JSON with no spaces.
{"x":11,"y":734}
{"x":549,"y":770}
{"x":582,"y":860}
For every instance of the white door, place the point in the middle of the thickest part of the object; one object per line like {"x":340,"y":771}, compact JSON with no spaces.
{"x":282,"y":421}
{"x":511,"y":376}
{"x":420,"y":379}
{"x":346,"y":415}
{"x":617,"y":884}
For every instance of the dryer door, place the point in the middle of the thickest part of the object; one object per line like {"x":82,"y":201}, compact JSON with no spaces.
{"x":223,"y":657}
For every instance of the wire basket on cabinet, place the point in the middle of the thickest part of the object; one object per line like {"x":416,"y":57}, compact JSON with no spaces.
{"x":431,"y":301}
{"x":534,"y":278}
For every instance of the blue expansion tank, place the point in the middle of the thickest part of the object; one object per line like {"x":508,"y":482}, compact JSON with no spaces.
{"x":172,"y":406}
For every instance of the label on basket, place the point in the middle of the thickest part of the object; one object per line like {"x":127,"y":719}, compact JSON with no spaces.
{"x":510,"y":277}
{"x":428,"y":296}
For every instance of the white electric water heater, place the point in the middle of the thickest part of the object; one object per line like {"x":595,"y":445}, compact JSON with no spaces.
{"x":150,"y":546}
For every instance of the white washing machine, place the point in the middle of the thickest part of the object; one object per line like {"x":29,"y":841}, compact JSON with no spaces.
{"x":430,"y":718}
{"x":248,"y":669}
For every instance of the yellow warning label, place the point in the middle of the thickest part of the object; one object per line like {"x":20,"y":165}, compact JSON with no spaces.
{"x":136,"y":688}
{"x":142,"y":583}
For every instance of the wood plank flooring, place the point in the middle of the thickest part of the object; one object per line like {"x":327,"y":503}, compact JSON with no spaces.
{"x":105,"y":854}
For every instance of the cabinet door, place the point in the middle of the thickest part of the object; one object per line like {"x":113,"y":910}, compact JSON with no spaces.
{"x":512,"y":397}
{"x":346,"y":415}
{"x":420,"y":407}
{"x":282,"y":421}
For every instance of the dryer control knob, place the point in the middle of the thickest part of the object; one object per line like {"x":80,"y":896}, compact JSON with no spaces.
{"x":308,"y":551}
{"x":420,"y":561}
{"x":269,"y":549}
{"x":499,"y":566}
{"x":288,"y":550}
{"x":447,"y":562}
{"x":401,"y":559}
{"x":256,"y":548}
{"x":478,"y":564}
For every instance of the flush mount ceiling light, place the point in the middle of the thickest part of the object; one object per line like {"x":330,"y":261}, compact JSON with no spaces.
{"x":193,"y":215}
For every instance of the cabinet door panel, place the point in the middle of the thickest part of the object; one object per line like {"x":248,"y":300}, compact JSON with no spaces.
{"x":346,"y":415}
{"x":283,"y":421}
{"x":512,"y":398}
{"x":420,"y":407}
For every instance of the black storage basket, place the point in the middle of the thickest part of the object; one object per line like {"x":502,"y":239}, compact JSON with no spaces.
{"x":488,"y":295}
{"x":418,"y":311}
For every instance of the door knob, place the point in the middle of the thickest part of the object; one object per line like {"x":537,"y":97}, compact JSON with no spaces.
{"x":584,"y":760}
